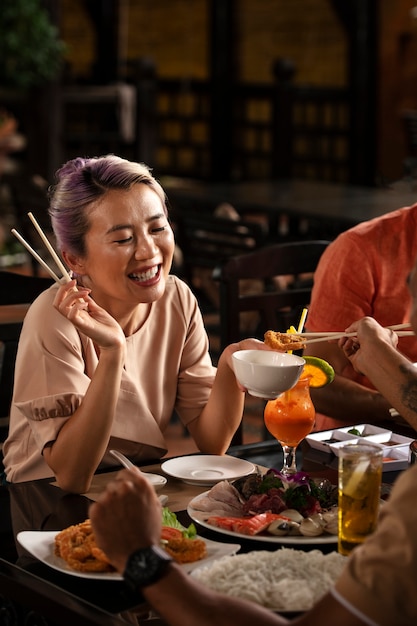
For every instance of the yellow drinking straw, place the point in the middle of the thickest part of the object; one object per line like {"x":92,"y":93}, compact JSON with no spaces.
{"x":302,"y":320}
{"x":301,"y":323}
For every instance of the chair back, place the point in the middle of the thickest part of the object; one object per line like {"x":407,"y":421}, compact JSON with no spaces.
{"x":249,"y":285}
{"x":207,"y":240}
{"x":277,"y":306}
{"x":15,"y":289}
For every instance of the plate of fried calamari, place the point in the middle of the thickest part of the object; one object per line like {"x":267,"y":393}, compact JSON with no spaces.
{"x":50,"y":547}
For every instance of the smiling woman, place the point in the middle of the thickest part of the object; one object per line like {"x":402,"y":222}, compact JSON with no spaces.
{"x":113,"y":373}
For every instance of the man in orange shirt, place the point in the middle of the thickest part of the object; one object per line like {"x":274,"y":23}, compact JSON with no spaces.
{"x":362,"y":273}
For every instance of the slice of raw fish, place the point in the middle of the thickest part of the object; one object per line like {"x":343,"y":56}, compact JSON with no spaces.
{"x":246,"y":526}
{"x":225,"y":492}
{"x":222,"y":499}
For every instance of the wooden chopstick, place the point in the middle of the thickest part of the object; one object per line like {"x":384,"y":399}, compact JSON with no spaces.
{"x":36,"y":255}
{"x":50,"y":249}
{"x":334,"y":336}
{"x":65,"y":275}
{"x":331,"y":333}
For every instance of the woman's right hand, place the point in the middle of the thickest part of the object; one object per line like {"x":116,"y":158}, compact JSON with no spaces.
{"x":88,"y":317}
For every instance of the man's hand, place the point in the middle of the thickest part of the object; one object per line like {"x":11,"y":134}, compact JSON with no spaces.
{"x":359,"y":350}
{"x":126,"y":517}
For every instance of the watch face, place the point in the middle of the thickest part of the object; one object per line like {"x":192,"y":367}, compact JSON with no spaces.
{"x":146,"y":566}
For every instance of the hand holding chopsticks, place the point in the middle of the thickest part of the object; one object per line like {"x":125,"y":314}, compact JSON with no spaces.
{"x":66,"y":278}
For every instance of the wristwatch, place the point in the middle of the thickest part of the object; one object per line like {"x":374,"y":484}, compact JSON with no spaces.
{"x":146,"y":566}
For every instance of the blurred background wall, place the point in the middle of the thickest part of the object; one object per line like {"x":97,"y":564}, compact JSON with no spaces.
{"x":366,"y":47}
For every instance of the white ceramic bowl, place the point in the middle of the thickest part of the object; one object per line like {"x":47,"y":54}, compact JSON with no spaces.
{"x":266,"y":373}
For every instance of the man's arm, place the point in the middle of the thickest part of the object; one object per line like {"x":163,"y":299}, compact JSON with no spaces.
{"x":345,"y":399}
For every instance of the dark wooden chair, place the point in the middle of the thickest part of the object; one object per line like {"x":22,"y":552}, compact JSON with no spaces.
{"x":275,"y":307}
{"x":206,"y":240}
{"x":14,"y":289}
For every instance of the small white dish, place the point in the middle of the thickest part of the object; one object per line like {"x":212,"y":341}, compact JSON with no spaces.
{"x":207,"y":469}
{"x":395,"y":446}
{"x":267,"y":373}
{"x":156,"y":480}
{"x":395,"y":459}
{"x":323,"y":439}
{"x":365,"y":430}
{"x":41,"y":544}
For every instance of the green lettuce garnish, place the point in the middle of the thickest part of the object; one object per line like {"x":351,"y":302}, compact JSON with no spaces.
{"x":170,"y":519}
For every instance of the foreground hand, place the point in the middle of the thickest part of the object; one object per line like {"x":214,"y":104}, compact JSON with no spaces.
{"x":126,"y":517}
{"x":87,"y":316}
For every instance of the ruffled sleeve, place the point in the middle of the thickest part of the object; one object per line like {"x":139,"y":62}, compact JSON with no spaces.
{"x":47,"y":415}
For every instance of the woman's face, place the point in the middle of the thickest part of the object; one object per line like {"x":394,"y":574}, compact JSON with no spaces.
{"x":130,"y":246}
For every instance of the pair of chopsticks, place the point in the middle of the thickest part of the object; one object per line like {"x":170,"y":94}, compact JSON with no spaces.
{"x":327,"y":336}
{"x":66,"y":278}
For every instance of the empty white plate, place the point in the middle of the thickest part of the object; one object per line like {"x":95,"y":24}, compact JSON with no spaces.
{"x":207,"y":469}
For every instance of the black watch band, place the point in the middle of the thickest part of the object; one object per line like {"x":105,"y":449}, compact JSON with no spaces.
{"x":146,"y":566}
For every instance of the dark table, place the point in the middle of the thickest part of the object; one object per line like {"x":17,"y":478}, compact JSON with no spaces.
{"x":40,"y":505}
{"x":334,"y":206}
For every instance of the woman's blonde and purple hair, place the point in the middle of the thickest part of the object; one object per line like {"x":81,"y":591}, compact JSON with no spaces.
{"x":83,"y":181}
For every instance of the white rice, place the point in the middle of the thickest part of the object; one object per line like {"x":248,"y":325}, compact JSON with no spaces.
{"x":284,"y":580}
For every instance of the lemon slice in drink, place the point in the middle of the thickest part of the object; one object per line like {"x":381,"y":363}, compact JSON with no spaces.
{"x":319,"y":371}
{"x":356,"y":477}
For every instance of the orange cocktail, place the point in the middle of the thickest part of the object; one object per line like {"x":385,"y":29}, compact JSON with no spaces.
{"x":290,"y":417}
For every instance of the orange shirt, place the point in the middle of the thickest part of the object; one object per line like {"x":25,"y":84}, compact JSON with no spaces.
{"x":364,"y":272}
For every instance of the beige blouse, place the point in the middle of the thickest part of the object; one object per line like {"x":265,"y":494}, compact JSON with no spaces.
{"x":168,"y":368}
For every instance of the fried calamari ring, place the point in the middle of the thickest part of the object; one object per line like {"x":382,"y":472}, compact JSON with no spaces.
{"x":76,"y":545}
{"x":283,"y":341}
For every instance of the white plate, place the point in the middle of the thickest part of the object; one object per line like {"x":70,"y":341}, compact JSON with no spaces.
{"x":200,"y":518}
{"x":41,"y":545}
{"x":156,"y":480}
{"x":207,"y":469}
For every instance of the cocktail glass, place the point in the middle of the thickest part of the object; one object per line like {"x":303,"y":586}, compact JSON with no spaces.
{"x":289,"y":418}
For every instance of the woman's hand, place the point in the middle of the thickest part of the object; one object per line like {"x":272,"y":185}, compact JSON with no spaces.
{"x":245,"y":344}
{"x":75,"y":304}
{"x":359,"y":349}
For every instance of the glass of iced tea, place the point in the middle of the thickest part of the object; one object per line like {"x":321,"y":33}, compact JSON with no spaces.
{"x":289,"y":418}
{"x":360,"y":474}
